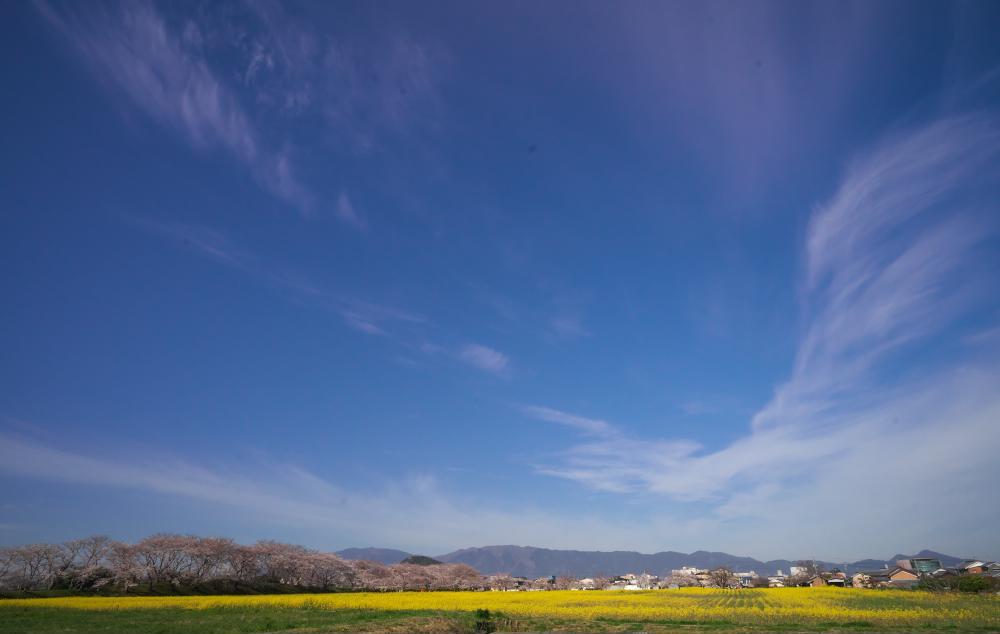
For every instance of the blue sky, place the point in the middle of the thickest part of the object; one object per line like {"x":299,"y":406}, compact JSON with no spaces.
{"x":638,"y":276}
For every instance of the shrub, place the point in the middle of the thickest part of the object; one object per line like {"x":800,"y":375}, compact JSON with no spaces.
{"x":975,"y":583}
{"x":484,"y":621}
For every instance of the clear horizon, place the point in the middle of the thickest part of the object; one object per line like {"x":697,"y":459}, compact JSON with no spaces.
{"x":592,"y":276}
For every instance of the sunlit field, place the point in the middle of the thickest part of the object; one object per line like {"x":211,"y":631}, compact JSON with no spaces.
{"x":787,"y":608}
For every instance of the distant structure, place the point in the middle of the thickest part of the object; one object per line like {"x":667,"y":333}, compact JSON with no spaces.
{"x":920,"y":565}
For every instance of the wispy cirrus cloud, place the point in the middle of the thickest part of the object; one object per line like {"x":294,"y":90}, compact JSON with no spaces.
{"x":348,"y":214}
{"x":359,"y":314}
{"x":163,"y":71}
{"x":368,"y":90}
{"x":235,"y":82}
{"x":280,"y":494}
{"x":555,"y":317}
{"x":587,"y":425}
{"x":890,"y":260}
{"x":205,"y":241}
{"x":484,"y":358}
{"x":890,"y":264}
{"x":369,"y":317}
{"x":329,"y":515}
{"x":568,"y":327}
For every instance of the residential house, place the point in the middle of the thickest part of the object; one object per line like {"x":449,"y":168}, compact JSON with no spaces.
{"x":975,"y":567}
{"x":833,"y":578}
{"x":627,"y":581}
{"x":543,"y":583}
{"x":903,"y":577}
{"x":870,"y":578}
{"x":521,"y":583}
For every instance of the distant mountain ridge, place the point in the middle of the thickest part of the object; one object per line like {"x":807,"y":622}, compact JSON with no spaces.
{"x":381,"y":555}
{"x":528,"y":561}
{"x":421,"y":560}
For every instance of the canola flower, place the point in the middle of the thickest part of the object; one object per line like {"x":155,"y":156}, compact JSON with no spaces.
{"x":750,"y":607}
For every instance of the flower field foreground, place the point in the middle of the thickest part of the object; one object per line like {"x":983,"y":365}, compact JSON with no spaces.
{"x":745,"y":607}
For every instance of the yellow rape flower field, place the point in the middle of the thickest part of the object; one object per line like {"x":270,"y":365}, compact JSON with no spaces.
{"x":812,"y":608}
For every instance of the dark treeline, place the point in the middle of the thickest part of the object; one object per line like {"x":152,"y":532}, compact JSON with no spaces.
{"x":180,"y":563}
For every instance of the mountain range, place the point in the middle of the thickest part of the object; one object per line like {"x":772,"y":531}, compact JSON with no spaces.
{"x":527,"y":561}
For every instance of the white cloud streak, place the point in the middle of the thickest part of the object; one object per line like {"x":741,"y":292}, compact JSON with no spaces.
{"x":413,"y":513}
{"x":587,"y":425}
{"x":569,"y":327}
{"x":348,"y":214}
{"x":485,"y":358}
{"x":890,"y":259}
{"x":891,"y":262}
{"x":361,"y":315}
{"x":164,"y":73}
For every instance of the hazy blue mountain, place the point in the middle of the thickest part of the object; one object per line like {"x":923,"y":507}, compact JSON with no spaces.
{"x":421,"y":560}
{"x":946,"y":560}
{"x":528,"y":561}
{"x":536,"y":562}
{"x":382,"y":555}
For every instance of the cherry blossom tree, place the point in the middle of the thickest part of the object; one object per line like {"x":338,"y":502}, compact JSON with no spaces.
{"x":126,"y":570}
{"x":723,"y":577}
{"x":97,"y":561}
{"x":372,"y":575}
{"x":502,"y":582}
{"x":563,"y":582}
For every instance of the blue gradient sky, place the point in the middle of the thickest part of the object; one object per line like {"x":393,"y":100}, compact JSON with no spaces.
{"x":433,"y":275}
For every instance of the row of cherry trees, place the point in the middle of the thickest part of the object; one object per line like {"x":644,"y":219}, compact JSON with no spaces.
{"x":98,"y":563}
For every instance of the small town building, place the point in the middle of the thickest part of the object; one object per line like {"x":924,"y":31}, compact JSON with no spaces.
{"x":975,"y":567}
{"x":902,"y":574}
{"x":920,"y":565}
{"x":902,"y":578}
{"x":870,"y":578}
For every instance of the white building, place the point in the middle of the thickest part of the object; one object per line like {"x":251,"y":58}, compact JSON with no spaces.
{"x":688,"y":571}
{"x":777,"y":580}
